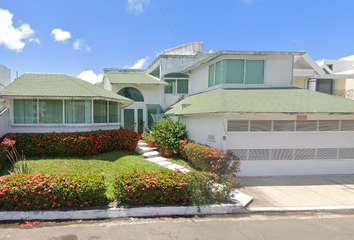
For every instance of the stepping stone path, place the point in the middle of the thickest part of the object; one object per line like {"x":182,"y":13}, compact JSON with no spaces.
{"x":153,"y":155}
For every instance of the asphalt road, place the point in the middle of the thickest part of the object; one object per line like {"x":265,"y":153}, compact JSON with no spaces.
{"x":262,"y":226}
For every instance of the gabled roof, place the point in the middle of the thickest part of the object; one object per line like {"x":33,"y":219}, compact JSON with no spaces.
{"x":271,"y":100}
{"x":45,"y":85}
{"x":133,"y":78}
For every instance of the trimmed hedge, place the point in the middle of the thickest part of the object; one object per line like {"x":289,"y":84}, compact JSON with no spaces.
{"x":169,"y":188}
{"x":43,"y":191}
{"x":71,"y":143}
{"x":210,"y":159}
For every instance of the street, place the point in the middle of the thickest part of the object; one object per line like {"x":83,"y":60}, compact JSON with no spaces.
{"x":245,"y":226}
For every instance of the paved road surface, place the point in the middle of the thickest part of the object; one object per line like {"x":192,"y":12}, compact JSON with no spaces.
{"x":262,"y":226}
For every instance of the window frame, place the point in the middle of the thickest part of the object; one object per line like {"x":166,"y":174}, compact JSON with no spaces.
{"x":244,"y":72}
{"x":63,"y":124}
{"x":176,"y":82}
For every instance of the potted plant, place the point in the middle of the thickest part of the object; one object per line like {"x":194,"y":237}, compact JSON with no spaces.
{"x":144,"y":135}
{"x":141,"y":128}
{"x":150,"y":140}
{"x":168,"y":133}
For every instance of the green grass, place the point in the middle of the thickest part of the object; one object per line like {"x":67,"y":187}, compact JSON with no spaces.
{"x":110,"y":164}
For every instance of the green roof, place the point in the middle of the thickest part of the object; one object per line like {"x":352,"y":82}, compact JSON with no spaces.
{"x":45,"y":85}
{"x":271,"y":100}
{"x":133,"y":78}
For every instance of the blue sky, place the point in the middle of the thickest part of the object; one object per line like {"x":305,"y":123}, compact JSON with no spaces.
{"x":72,"y":37}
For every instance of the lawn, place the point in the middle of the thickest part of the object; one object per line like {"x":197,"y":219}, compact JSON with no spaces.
{"x":110,"y":164}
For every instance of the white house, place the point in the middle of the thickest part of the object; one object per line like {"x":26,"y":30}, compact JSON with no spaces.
{"x":243,"y":101}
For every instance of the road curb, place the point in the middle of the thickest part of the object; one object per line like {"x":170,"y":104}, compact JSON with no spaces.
{"x":299,"y":209}
{"x":149,"y":211}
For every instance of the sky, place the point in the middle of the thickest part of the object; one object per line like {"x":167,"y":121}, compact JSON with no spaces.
{"x":81,"y":37}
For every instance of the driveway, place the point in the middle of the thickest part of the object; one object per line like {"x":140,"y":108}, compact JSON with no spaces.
{"x":299,"y":191}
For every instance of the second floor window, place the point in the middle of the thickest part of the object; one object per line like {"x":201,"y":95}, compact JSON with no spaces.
{"x":236,"y":71}
{"x":177,"y":83}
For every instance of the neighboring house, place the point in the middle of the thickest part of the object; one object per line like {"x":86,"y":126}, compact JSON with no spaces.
{"x":40,"y":102}
{"x":244,"y":101}
{"x":335,"y":77}
{"x":5,"y":76}
{"x":5,"y":79}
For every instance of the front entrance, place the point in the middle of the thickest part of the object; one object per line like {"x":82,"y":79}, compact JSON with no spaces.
{"x":132,"y":119}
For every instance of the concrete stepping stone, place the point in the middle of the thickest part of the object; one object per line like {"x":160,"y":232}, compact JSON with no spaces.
{"x":164,"y":163}
{"x":185,"y":170}
{"x":174,"y":166}
{"x":152,"y":153}
{"x":145,"y":149}
{"x":142,"y":144}
{"x":156,"y":159}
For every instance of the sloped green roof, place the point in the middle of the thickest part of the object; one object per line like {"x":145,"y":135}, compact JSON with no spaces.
{"x":273,"y":100}
{"x":133,"y":78}
{"x":58,"y":86}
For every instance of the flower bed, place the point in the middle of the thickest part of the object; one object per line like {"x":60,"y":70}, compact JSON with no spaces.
{"x":210,"y":159}
{"x":169,"y":188}
{"x":71,"y":143}
{"x":43,"y":191}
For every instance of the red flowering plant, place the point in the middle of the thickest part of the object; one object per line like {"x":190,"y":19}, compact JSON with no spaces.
{"x":6,"y":146}
{"x":74,"y":143}
{"x":169,"y":188}
{"x":43,"y":191}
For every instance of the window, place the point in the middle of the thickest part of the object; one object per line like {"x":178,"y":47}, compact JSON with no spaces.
{"x":99,"y":111}
{"x":114,"y":112}
{"x":177,"y":83}
{"x":50,"y":111}
{"x":131,"y":93}
{"x":78,"y":111}
{"x":236,"y":71}
{"x":156,"y":72}
{"x":25,"y":111}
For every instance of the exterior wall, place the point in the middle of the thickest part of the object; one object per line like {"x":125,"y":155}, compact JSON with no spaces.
{"x":199,"y":127}
{"x":277,"y":73}
{"x":300,"y":82}
{"x":174,"y":64}
{"x":5,"y":76}
{"x":106,"y":84}
{"x":4,"y":120}
{"x":340,"y":84}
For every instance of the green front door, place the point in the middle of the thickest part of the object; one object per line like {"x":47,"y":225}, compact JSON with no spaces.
{"x":129,"y":120}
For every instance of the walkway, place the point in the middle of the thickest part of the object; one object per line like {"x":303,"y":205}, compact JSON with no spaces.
{"x":153,"y":155}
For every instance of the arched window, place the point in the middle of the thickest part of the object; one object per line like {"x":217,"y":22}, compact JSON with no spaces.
{"x":131,"y":93}
{"x":177,"y":83}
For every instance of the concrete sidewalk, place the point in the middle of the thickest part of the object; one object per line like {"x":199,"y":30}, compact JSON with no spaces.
{"x":299,"y":192}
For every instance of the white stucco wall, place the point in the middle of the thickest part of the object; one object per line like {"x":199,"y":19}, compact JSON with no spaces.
{"x":5,"y":76}
{"x":277,"y":73}
{"x":4,"y":120}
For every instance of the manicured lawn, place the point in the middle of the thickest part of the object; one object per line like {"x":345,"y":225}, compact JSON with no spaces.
{"x":110,"y":164}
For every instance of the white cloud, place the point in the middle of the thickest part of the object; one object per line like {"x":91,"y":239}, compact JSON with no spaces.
{"x":90,"y":76}
{"x":137,"y":6}
{"x":79,"y":44}
{"x":139,"y":64}
{"x":60,"y":35}
{"x":10,"y":36}
{"x":35,"y":40}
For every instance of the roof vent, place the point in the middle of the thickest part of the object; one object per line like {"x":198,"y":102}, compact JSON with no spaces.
{"x":183,"y":106}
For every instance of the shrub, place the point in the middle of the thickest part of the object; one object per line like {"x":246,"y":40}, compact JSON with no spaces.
{"x":73,"y":143}
{"x":168,"y":133}
{"x":210,"y":159}
{"x":5,"y":146}
{"x":168,"y":187}
{"x":43,"y":191}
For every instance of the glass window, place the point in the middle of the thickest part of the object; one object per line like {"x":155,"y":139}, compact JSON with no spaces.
{"x":131,"y":93}
{"x":99,"y":111}
{"x":25,"y":111}
{"x":171,"y":88}
{"x":114,"y":112}
{"x":50,"y":111}
{"x":182,"y":86}
{"x":254,"y":72}
{"x":219,"y":72}
{"x":211,"y":76}
{"x":78,"y":111}
{"x":234,"y":71}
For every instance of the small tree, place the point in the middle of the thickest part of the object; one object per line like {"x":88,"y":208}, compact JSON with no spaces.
{"x":168,"y":133}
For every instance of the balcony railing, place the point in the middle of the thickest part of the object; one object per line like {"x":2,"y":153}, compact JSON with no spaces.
{"x":344,"y":93}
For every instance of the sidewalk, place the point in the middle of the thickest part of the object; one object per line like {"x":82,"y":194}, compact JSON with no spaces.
{"x":327,"y":192}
